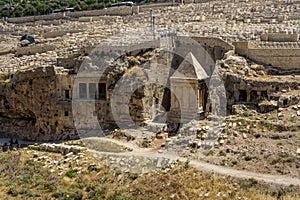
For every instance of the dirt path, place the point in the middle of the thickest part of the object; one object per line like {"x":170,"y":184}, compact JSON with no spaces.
{"x":203,"y":166}
{"x":277,"y":179}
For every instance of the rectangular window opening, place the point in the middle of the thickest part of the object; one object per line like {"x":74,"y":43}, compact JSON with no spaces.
{"x":92,"y":90}
{"x":67,"y":94}
{"x":102,"y":91}
{"x":243,"y":96}
{"x":82,"y":91}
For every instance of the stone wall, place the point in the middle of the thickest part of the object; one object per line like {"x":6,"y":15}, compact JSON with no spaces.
{"x":59,"y":33}
{"x":279,"y":37}
{"x":33,"y":49}
{"x":241,"y":48}
{"x":117,"y":11}
{"x":85,"y":19}
{"x":110,"y":11}
{"x":283,"y":56}
{"x":294,"y":17}
{"x":213,"y":42}
{"x":34,"y":18}
{"x":5,"y":52}
{"x":68,"y":63}
{"x":195,"y":1}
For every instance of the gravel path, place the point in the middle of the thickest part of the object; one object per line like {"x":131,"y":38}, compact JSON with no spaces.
{"x":203,"y":166}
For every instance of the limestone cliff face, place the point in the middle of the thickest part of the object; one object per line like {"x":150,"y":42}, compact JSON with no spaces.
{"x":249,"y":83}
{"x":36,"y":103}
{"x":29,"y":108}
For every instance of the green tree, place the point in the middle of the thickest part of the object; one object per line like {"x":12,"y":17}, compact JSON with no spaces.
{"x":30,"y":10}
{"x":42,"y":8}
{"x":18,"y":11}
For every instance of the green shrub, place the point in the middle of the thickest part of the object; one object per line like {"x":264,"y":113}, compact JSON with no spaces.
{"x":144,"y":144}
{"x":133,"y":176}
{"x":50,"y":186}
{"x":13,"y":191}
{"x":9,"y":84}
{"x":186,"y":164}
{"x":96,"y":192}
{"x":222,"y":153}
{"x":123,"y":195}
{"x":72,"y":173}
{"x":74,"y":194}
{"x":253,"y":181}
{"x":248,"y":158}
{"x":26,"y":191}
{"x":275,"y":161}
{"x":280,"y":143}
{"x":257,"y":135}
{"x":26,"y":178}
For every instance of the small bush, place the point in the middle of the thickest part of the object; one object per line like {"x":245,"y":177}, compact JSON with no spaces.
{"x":75,"y":194}
{"x":144,"y":144}
{"x":222,"y":153}
{"x":186,"y":164}
{"x":253,"y":181}
{"x":275,"y":161}
{"x":133,"y":176}
{"x":258,"y":135}
{"x":50,"y":187}
{"x":26,"y":178}
{"x":96,"y":192}
{"x":244,"y":114}
{"x":26,"y":192}
{"x":72,"y":173}
{"x":223,"y":163}
{"x":234,"y":162}
{"x":124,"y":196}
{"x":121,"y":196}
{"x":95,"y":168}
{"x":289,"y":160}
{"x":9,"y":84}
{"x":13,"y":191}
{"x":248,"y":158}
{"x":280,"y":143}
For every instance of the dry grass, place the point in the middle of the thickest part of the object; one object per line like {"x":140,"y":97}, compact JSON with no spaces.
{"x":25,"y":178}
{"x":181,"y":183}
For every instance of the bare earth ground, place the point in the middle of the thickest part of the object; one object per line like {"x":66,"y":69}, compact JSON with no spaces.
{"x":206,"y":167}
{"x":261,"y":146}
{"x":261,"y":143}
{"x":32,"y":174}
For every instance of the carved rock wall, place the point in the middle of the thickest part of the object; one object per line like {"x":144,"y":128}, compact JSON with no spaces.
{"x":31,"y":110}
